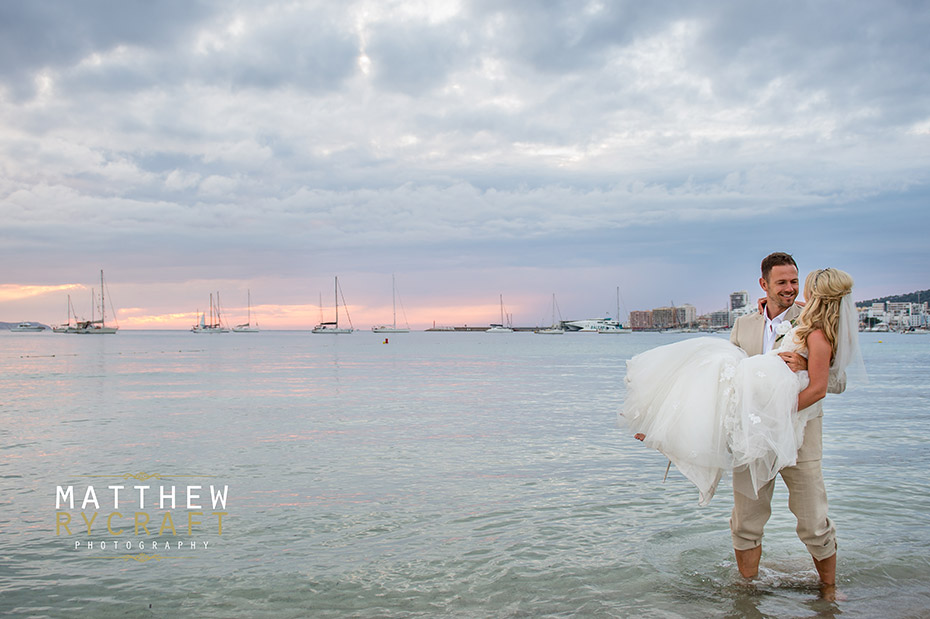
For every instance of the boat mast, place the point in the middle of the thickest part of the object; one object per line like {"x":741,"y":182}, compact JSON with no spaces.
{"x":394,"y":299}
{"x":336,"y":297}
{"x":103,"y":306}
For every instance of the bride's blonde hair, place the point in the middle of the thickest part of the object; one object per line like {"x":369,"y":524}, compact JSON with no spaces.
{"x":823,"y":290}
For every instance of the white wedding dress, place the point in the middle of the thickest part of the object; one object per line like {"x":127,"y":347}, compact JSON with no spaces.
{"x":709,"y":408}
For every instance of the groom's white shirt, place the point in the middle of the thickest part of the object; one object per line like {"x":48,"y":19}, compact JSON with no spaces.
{"x":770,"y":334}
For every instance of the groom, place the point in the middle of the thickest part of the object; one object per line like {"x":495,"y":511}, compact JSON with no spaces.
{"x":807,"y":498}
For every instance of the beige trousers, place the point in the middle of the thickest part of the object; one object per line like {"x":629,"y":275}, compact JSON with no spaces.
{"x":807,"y":500}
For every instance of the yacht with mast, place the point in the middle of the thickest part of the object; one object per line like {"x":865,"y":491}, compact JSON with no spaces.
{"x":95,"y":326}
{"x":333,"y":327}
{"x":613,"y":327}
{"x":247,"y":326}
{"x":393,"y":328}
{"x":216,"y":323}
{"x":67,"y":327}
{"x":556,"y":327}
{"x":500,"y":328}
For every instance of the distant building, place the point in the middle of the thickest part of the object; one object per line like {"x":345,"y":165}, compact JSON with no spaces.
{"x":671,"y":317}
{"x":894,"y":315}
{"x":687,"y":314}
{"x":663,"y":317}
{"x":640,"y":320}
{"x":739,"y":299}
{"x":739,"y":313}
{"x":719,"y":319}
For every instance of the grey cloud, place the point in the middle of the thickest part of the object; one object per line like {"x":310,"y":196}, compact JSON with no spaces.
{"x":508,"y":133}
{"x":856,"y":54}
{"x":304,"y":51}
{"x":55,"y":34}
{"x":415,"y":57}
{"x":566,"y":35}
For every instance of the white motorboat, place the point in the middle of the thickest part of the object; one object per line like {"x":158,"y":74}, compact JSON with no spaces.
{"x":27,"y":327}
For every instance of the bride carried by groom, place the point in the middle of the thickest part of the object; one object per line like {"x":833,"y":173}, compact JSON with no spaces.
{"x":752,"y":405}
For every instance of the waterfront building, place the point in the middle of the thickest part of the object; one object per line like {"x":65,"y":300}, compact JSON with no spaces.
{"x":739,"y":299}
{"x":640,"y":320}
{"x":740,"y":312}
{"x":719,"y":319}
{"x":672,"y":317}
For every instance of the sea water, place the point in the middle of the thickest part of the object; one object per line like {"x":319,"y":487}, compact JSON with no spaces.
{"x":435,"y":475}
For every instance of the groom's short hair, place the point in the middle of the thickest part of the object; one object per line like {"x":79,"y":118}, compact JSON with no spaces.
{"x":778,"y":258}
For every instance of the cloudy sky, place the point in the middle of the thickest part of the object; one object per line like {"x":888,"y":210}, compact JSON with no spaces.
{"x":472,"y":148}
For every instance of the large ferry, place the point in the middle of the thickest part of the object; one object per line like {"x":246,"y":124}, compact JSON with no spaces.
{"x":594,"y":325}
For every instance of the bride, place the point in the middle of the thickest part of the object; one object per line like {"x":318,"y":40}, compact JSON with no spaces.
{"x":709,"y":407}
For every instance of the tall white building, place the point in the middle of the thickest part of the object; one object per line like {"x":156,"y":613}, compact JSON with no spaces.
{"x":739,"y":299}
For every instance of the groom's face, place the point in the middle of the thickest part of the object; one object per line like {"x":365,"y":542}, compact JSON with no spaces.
{"x":781,"y":288}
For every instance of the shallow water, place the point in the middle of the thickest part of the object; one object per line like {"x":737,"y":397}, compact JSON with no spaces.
{"x":442,"y":474}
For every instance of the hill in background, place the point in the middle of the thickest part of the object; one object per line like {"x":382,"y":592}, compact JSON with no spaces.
{"x":921,"y":296}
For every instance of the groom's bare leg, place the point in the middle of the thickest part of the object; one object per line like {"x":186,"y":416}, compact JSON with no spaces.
{"x":748,"y":561}
{"x":826,"y":568}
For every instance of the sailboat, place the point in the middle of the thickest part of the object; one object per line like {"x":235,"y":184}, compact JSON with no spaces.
{"x":67,"y":327}
{"x":392,"y":328}
{"x":247,"y":327}
{"x":556,"y":328}
{"x":500,"y":328}
{"x":216,"y":324}
{"x":610,"y":327}
{"x":93,"y":326}
{"x":333,"y":327}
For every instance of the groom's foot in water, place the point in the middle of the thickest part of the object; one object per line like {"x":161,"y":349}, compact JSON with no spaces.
{"x":747,"y":561}
{"x":828,"y":593}
{"x":826,"y":569}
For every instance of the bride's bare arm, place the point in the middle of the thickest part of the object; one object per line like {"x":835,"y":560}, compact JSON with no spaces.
{"x":818,"y":369}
